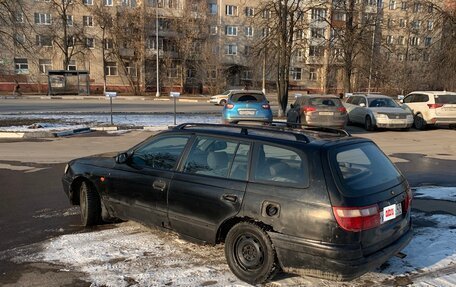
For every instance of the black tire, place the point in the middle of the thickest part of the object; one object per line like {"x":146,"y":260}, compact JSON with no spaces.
{"x":223,"y":102}
{"x":368,"y":126}
{"x":419,"y":122}
{"x":90,"y":205}
{"x":250,"y":253}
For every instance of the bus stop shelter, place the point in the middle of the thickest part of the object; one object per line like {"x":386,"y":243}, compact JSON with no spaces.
{"x":68,"y":82}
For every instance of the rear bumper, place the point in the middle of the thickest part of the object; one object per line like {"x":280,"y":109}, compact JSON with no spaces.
{"x":338,"y":262}
{"x":443,"y":121}
{"x":230,"y":119}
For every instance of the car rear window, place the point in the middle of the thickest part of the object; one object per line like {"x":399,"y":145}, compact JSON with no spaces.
{"x":325,"y":102}
{"x":382,"y":103}
{"x":364,"y":169}
{"x":445,"y":99}
{"x":248,"y":98}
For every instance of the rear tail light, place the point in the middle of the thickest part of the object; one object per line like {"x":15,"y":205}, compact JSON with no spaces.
{"x":307,"y":109}
{"x":408,"y":200}
{"x":357,"y":218}
{"x":342,"y":109}
{"x":229,"y":106}
{"x":435,"y":106}
{"x":266,"y":106}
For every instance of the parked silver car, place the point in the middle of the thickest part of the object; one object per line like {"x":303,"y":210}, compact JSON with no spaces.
{"x":220,"y":99}
{"x":377,"y":111}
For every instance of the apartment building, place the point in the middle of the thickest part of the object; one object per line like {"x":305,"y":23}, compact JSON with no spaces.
{"x":203,"y":46}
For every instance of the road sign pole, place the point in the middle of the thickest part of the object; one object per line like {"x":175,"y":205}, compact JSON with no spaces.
{"x":174,"y":110}
{"x":110,"y":100}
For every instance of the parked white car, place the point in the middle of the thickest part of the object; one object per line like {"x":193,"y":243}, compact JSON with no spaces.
{"x":220,"y":99}
{"x":432,"y":108}
{"x":377,"y":111}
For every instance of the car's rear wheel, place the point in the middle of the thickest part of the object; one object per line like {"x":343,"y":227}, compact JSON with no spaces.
{"x":90,"y":205}
{"x":419,"y":122}
{"x":368,"y":126}
{"x":223,"y":102}
{"x":250,"y":253}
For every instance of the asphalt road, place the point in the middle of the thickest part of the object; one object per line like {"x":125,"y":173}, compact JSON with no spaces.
{"x":8,"y":106}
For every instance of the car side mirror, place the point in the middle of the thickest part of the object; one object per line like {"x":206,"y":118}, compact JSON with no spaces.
{"x":362,"y":105}
{"x":122,"y":158}
{"x":292,"y":106}
{"x":401,"y":101}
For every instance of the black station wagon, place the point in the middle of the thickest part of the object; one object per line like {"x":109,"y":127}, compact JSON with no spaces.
{"x":312,"y":201}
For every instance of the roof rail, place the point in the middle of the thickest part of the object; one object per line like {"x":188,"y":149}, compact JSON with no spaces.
{"x":341,"y":132}
{"x":245,"y":129}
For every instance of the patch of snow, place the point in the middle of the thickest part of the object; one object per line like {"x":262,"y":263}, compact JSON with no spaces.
{"x":44,"y":127}
{"x":121,"y":254}
{"x":436,"y":192}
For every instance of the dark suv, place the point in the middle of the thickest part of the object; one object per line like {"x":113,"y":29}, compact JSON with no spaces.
{"x":312,"y":201}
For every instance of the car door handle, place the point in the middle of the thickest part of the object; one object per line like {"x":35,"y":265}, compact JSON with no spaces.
{"x":159,"y":185}
{"x":230,"y":197}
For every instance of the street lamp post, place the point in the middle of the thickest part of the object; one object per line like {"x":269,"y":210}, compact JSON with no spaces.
{"x":156,"y":46}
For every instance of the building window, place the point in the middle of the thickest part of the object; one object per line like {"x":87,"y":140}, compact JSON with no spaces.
{"x":249,"y":31}
{"x":416,"y":24}
{"x":108,"y":43}
{"x":388,"y":56}
{"x":430,"y":8}
{"x":90,"y":43}
{"x":316,"y":51}
{"x":265,"y":32}
{"x":298,"y":34}
{"x":212,"y":7}
{"x":402,"y":23}
{"x":87,"y":21}
{"x":21,"y":66}
{"x":43,"y":41}
{"x":299,"y":54}
{"x":403,"y":6}
{"x":401,"y":40}
{"x":414,"y":41}
{"x":389,"y":23}
{"x":296,"y":74}
{"x":173,"y":70}
{"x":249,"y":12}
{"x":212,"y":73}
{"x":427,"y":41}
{"x":392,"y":5}
{"x":111,"y":69}
{"x":231,"y":49}
{"x":44,"y":65}
{"x":430,"y":25}
{"x":213,"y":29}
{"x":247,"y":50}
{"x":247,"y":75}
{"x":313,"y":74}
{"x":131,"y":70}
{"x":266,"y":14}
{"x":318,"y":14}
{"x":231,"y":10}
{"x":416,"y":7}
{"x":317,"y":33}
{"x":42,"y":19}
{"x":426,"y":57}
{"x":389,"y":39}
{"x":107,"y":2}
{"x":191,"y":73}
{"x":69,"y":20}
{"x":19,"y":17}
{"x":131,"y":3}
{"x":72,"y":65}
{"x":339,"y":16}
{"x":87,"y":2}
{"x":400,"y":57}
{"x":231,"y":30}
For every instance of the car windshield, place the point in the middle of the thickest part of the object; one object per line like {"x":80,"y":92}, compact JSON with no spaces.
{"x":248,"y":98}
{"x":226,"y":92}
{"x":382,"y":103}
{"x":445,"y":99}
{"x":363,"y":169}
{"x":325,"y":102}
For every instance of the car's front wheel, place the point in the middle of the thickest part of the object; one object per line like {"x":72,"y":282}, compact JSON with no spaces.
{"x":250,"y":253}
{"x":222,"y":102}
{"x":89,"y":202}
{"x":368,"y":125}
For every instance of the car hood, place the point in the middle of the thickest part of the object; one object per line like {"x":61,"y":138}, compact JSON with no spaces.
{"x":390,"y":110}
{"x":102,"y":160}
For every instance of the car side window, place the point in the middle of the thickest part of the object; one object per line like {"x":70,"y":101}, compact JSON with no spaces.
{"x":277,"y":164}
{"x":214,"y":157}
{"x":162,"y":153}
{"x":362,"y":100}
{"x":423,"y":98}
{"x":355,"y":101}
{"x":409,"y":99}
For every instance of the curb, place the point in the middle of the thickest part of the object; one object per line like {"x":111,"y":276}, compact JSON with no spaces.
{"x":112,"y":128}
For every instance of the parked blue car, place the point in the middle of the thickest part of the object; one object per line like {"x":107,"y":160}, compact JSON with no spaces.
{"x":246,"y":105}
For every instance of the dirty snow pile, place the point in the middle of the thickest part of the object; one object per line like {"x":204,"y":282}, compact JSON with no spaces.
{"x":435,"y":192}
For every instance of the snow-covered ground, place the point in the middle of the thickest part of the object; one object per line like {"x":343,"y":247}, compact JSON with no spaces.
{"x":161,"y":121}
{"x":436,"y":192}
{"x":129,"y":253}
